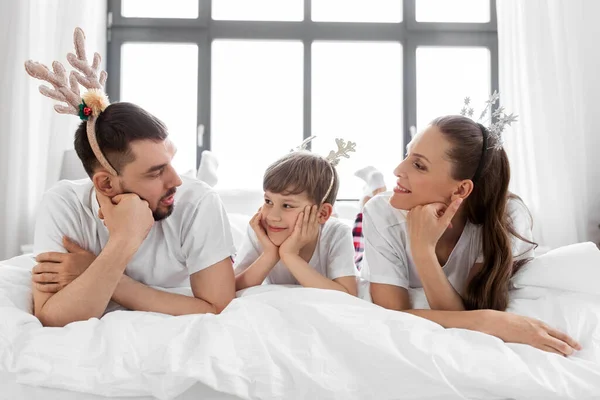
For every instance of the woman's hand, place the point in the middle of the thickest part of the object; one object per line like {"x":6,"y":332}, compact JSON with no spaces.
{"x":426,"y":225}
{"x":513,"y":328}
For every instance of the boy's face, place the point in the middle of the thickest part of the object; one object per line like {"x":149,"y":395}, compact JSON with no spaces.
{"x":280,"y":212}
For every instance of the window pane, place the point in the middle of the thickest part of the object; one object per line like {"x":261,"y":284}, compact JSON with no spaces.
{"x":453,"y":10}
{"x":443,"y":85}
{"x":159,"y":9}
{"x":258,"y":10}
{"x":171,"y":97}
{"x":257,"y":102}
{"x":357,"y":95}
{"x":357,"y":10}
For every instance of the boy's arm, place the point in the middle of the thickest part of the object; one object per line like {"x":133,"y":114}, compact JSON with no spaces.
{"x":257,"y":256}
{"x":307,"y":276}
{"x":257,"y":272}
{"x":306,"y":230}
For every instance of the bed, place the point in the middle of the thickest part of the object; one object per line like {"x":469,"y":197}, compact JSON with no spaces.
{"x":287,"y":342}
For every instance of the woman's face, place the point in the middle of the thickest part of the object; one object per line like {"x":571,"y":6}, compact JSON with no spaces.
{"x":424,"y":176}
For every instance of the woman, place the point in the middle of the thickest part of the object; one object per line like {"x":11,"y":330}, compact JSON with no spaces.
{"x":452,"y":228}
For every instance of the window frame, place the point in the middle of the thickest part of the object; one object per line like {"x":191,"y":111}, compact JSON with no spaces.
{"x":203,"y":30}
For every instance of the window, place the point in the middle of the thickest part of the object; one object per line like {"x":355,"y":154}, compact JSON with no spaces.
{"x":250,"y":79}
{"x":256,"y":106}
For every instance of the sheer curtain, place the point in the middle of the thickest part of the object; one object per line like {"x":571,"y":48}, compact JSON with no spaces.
{"x":549,"y":63}
{"x":33,"y":137}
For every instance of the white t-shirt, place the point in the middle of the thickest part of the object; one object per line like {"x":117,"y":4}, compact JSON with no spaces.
{"x":387,"y":257}
{"x":195,"y":236}
{"x":333,"y":256}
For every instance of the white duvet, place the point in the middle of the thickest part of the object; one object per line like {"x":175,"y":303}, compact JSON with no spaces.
{"x":294,"y":343}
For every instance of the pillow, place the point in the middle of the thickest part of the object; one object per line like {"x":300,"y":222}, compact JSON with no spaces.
{"x":241,"y":201}
{"x":207,"y":170}
{"x":573,"y":268}
{"x":239,"y":226}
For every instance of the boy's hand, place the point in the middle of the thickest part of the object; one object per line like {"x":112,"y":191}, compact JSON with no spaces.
{"x":305,"y":230}
{"x":268,"y":247}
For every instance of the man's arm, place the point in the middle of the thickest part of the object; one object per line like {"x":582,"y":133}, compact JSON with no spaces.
{"x":87,"y":296}
{"x":213,"y":289}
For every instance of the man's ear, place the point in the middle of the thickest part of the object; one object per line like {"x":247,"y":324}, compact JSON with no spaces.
{"x":106,"y":184}
{"x":325,"y":213}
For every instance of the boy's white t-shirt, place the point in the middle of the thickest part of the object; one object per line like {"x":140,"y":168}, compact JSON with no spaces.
{"x":333,"y":256}
{"x":387,"y":258}
{"x":195,"y":236}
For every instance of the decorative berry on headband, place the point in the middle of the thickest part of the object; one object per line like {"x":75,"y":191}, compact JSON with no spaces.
{"x":96,"y":100}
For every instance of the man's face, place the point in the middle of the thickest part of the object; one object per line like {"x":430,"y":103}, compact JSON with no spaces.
{"x":151,"y":175}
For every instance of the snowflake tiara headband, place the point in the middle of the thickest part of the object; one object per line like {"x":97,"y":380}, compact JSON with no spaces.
{"x":496,"y":123}
{"x":333,"y":158}
{"x":87,"y":106}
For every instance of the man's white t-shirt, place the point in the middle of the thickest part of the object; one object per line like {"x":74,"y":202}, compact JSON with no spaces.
{"x":195,"y":236}
{"x":388,"y":260}
{"x":333,"y":256}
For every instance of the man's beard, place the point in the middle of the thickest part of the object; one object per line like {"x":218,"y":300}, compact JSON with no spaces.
{"x":157,"y":214}
{"x":160,"y":215}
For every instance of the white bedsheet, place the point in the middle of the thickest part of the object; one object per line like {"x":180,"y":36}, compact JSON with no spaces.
{"x":295,"y":343}
{"x":11,"y":390}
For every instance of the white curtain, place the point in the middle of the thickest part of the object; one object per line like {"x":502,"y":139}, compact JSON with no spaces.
{"x":33,"y":137}
{"x":549,"y":76}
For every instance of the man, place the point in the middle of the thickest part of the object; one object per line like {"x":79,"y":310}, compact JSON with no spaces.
{"x":142,"y":227}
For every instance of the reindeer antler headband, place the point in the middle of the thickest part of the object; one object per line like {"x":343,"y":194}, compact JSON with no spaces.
{"x":333,"y":157}
{"x":87,"y":106}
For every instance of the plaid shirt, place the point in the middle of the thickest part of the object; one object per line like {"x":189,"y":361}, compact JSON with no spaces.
{"x":359,"y":247}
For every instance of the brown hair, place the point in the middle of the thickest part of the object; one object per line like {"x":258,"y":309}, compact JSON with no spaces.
{"x":487,"y":206}
{"x":116,"y":127}
{"x":302,"y":172}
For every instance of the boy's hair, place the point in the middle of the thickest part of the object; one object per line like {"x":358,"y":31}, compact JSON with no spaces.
{"x":116,"y":127}
{"x":302,"y":172}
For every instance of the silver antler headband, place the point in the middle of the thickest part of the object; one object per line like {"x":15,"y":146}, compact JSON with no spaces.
{"x":343,"y":150}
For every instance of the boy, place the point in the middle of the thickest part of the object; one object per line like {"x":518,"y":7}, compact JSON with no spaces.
{"x":292,"y":239}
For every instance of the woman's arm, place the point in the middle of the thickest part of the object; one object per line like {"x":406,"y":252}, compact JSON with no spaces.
{"x":440,"y":293}
{"x":509,"y":327}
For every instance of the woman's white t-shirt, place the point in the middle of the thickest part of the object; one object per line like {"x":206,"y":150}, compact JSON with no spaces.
{"x":387,"y":257}
{"x":333,"y":256}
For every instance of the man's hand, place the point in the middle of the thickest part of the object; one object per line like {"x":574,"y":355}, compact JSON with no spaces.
{"x":127,"y":217}
{"x":55,"y":271}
